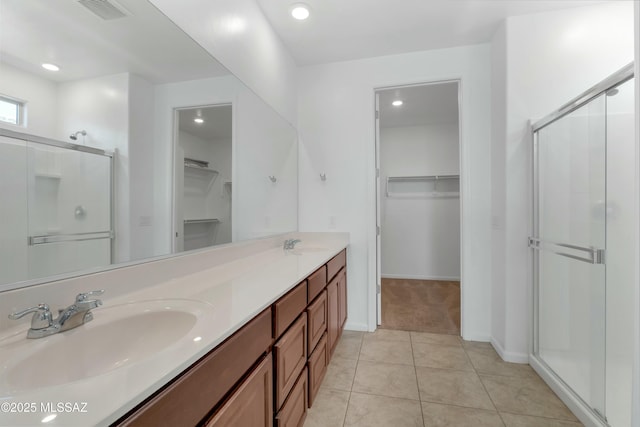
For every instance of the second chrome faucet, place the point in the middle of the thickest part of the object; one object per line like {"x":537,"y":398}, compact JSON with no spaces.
{"x":78,"y":313}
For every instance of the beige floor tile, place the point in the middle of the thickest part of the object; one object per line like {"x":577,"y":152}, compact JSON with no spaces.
{"x":487,"y":361}
{"x":440,"y":356}
{"x":329,"y":409}
{"x":440,"y":339}
{"x":349,"y":345}
{"x":526,"y":396}
{"x":340,"y":373}
{"x":452,"y":387}
{"x":378,"y":350}
{"x":386,"y":379}
{"x":377,"y":411}
{"x":513,"y":420}
{"x":387,"y":335}
{"x":478,"y":345}
{"x":436,"y":415}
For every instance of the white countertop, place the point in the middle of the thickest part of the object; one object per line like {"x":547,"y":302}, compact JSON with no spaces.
{"x":231,"y":294}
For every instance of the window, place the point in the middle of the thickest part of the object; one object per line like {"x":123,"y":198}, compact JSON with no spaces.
{"x":11,"y":111}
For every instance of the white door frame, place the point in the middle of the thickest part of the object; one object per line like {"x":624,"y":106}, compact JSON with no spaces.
{"x":378,"y":270}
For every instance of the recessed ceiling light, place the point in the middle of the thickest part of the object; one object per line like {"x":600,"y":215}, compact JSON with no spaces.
{"x":199,"y":120}
{"x":300,"y":11}
{"x":397,"y":103}
{"x":50,"y":67}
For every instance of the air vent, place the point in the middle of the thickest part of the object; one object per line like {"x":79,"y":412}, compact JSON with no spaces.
{"x":105,"y":9}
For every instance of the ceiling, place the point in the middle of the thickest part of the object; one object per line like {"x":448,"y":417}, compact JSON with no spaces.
{"x":217,"y":122}
{"x":340,"y":30}
{"x":422,"y":105}
{"x":84,"y":45}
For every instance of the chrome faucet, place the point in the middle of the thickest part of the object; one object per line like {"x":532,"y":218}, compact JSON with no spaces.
{"x":78,"y":313}
{"x":290,"y":244}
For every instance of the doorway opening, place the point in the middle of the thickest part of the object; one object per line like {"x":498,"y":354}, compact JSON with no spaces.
{"x":418,"y":207}
{"x":203,"y":170}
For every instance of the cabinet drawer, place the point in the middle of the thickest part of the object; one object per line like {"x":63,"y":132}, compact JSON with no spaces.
{"x":336,"y":263}
{"x":294,"y":410}
{"x":290,"y":354}
{"x":196,"y":392}
{"x":316,"y":320}
{"x":252,"y":403}
{"x":288,"y":308}
{"x":316,"y":283}
{"x":317,"y":368}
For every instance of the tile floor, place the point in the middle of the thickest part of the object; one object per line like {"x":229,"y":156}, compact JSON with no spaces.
{"x":397,"y":378}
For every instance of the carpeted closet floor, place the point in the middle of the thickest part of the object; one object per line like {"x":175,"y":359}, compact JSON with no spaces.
{"x":421,"y":305}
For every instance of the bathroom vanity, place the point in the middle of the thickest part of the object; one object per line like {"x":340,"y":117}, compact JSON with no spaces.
{"x":244,"y":342}
{"x":272,"y":366}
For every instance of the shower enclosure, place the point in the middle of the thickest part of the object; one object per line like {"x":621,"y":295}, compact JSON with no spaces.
{"x":56,"y":214}
{"x":583,"y":247}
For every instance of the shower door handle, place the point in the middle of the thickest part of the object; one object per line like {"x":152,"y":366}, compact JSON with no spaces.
{"x":594,"y":255}
{"x":63,"y":238}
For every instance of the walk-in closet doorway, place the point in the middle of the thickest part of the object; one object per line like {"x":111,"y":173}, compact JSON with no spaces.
{"x":418,"y":207}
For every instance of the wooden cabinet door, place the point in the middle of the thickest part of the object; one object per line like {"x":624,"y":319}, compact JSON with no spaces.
{"x":252,"y":403}
{"x":333,"y":320}
{"x":317,"y":368}
{"x":342,"y":298}
{"x":317,"y":320}
{"x":290,"y":354}
{"x":294,"y":410}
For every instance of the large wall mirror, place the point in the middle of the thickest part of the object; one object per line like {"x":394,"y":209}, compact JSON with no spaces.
{"x":131,"y":142}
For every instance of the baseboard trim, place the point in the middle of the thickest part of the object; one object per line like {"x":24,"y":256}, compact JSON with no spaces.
{"x":509,"y":356}
{"x":575,"y":405}
{"x":354,"y":326}
{"x":420,"y":277}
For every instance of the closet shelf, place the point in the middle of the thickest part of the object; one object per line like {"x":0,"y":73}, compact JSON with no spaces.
{"x":203,"y":169}
{"x":421,"y":178}
{"x":425,"y":186}
{"x":202,"y":221}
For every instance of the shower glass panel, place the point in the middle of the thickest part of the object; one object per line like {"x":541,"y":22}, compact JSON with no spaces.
{"x":571,"y":233}
{"x":69,"y":210}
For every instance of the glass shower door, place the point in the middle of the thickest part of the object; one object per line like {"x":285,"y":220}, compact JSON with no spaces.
{"x":570,"y":230}
{"x":69,"y":210}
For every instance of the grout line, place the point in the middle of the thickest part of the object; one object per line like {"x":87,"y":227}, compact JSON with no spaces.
{"x":415,"y":371}
{"x":344,"y":419}
{"x":484,"y":387}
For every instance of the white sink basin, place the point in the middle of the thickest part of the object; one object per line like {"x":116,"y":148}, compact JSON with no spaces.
{"x":118,"y":336}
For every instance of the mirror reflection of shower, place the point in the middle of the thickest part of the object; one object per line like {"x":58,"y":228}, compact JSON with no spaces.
{"x":74,"y":136}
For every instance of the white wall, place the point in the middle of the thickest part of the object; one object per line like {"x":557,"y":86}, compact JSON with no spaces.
{"x":550,"y":58}
{"x":635,"y":420}
{"x":498,"y":184}
{"x":237,"y":34}
{"x":420,"y":234}
{"x":40,"y":96}
{"x":141,"y":145}
{"x":336,"y":125}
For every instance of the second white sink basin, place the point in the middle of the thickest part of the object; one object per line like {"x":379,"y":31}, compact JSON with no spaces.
{"x":118,"y":336}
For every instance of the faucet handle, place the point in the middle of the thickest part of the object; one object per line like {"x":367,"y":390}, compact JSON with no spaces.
{"x":41,"y":316}
{"x":85,"y":295}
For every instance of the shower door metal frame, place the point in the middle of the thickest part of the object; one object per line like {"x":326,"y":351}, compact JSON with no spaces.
{"x":597,"y":256}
